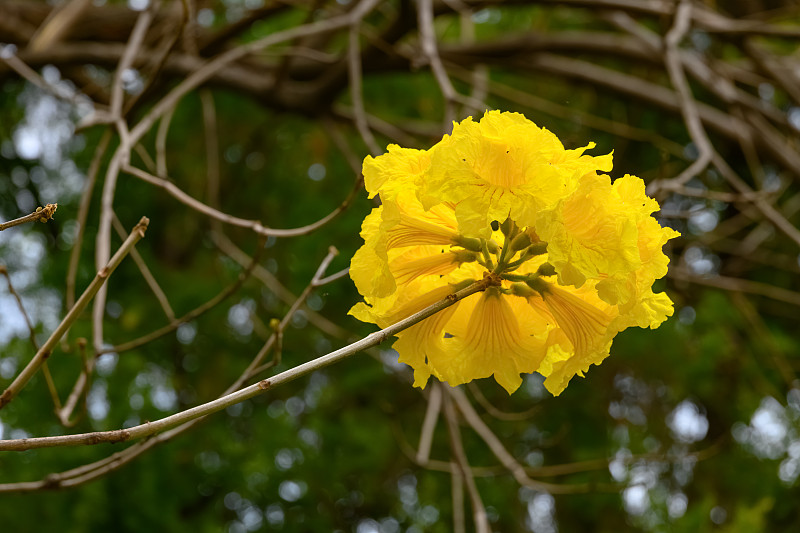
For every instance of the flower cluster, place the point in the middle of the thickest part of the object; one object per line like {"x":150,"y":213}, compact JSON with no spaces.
{"x":572,"y":256}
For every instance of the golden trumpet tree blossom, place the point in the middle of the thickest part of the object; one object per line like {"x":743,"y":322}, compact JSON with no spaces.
{"x":569,"y":255}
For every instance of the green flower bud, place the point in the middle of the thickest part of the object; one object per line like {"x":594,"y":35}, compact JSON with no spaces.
{"x":538,"y":284}
{"x":508,"y":227}
{"x":546,"y":269}
{"x":522,"y":289}
{"x":520,"y":241}
{"x":537,"y":248}
{"x":464,"y":256}
{"x":474,"y":245}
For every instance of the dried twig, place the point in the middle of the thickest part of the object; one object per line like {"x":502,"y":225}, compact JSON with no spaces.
{"x":83,"y":213}
{"x":253,"y":225}
{"x":51,"y":386}
{"x":156,"y":426}
{"x":457,"y":447}
{"x":46,"y":349}
{"x":429,"y":424}
{"x":354,"y":71}
{"x":42,"y":214}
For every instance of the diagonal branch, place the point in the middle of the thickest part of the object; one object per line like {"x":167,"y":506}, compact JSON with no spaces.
{"x":457,"y":447}
{"x":47,"y":348}
{"x":42,"y":214}
{"x":151,"y":428}
{"x":253,"y":225}
{"x":497,"y":448}
{"x":429,"y":424}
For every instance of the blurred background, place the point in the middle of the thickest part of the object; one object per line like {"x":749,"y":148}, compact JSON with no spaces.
{"x":206,"y":115}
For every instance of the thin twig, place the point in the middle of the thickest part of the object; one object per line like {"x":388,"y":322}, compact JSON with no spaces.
{"x":194,"y":313}
{"x":161,"y":142}
{"x":494,"y":444}
{"x":51,"y":386}
{"x":457,"y":492}
{"x":146,"y":274}
{"x":42,"y":214}
{"x":764,"y":338}
{"x":83,"y":213}
{"x":146,"y":158}
{"x":768,"y":210}
{"x":333,"y":277}
{"x":737,"y":285}
{"x":103,"y":237}
{"x":212,"y":147}
{"x":494,"y":411}
{"x":429,"y":424}
{"x":275,"y":341}
{"x":691,"y":116}
{"x":209,"y":69}
{"x":276,"y":287}
{"x":428,"y":41}
{"x":57,"y":24}
{"x":44,"y":352}
{"x":134,"y":44}
{"x":151,"y":428}
{"x":21,"y":68}
{"x":253,"y":225}
{"x":354,"y":73}
{"x":457,"y":447}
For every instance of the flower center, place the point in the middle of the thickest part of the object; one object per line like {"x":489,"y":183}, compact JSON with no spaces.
{"x":520,"y":245}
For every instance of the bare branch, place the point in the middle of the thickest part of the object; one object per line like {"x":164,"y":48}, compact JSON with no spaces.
{"x":44,"y":352}
{"x":497,"y":448}
{"x":457,"y":447}
{"x":194,"y":313}
{"x":51,"y":386}
{"x":42,"y":214}
{"x":429,"y":424}
{"x":146,"y":274}
{"x":83,"y":213}
{"x":688,"y":107}
{"x":150,"y":428}
{"x":134,"y":43}
{"x":253,"y":225}
{"x":354,"y":71}
{"x":428,"y":42}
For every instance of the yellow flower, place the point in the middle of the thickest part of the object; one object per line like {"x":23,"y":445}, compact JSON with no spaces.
{"x":491,"y":334}
{"x":503,"y":166}
{"x":570,"y":256}
{"x":394,"y":170}
{"x":592,"y":233}
{"x":401,"y":226}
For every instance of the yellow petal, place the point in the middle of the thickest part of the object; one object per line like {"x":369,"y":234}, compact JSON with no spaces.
{"x":422,"y":342}
{"x":648,"y":310}
{"x":369,"y":267}
{"x":406,"y":223}
{"x":493,"y":342}
{"x":500,"y":165}
{"x":417,"y":298}
{"x":585,"y":325}
{"x":590,"y":234}
{"x":394,"y":171}
{"x":601,"y":240}
{"x":586,"y":328}
{"x":422,"y":261}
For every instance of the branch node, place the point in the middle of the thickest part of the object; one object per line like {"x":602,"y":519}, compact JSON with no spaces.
{"x":47,"y":212}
